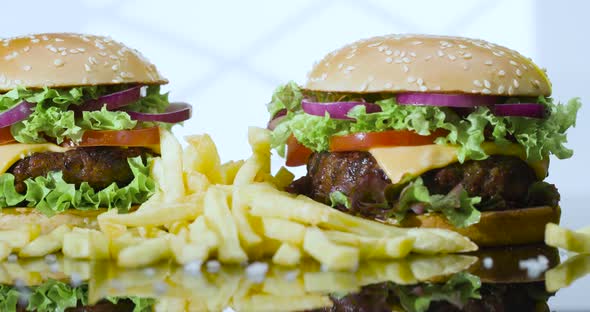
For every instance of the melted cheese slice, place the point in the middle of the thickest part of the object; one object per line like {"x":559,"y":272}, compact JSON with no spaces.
{"x":11,"y":153}
{"x":401,"y":162}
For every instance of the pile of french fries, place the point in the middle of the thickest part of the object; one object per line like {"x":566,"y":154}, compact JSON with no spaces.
{"x":577,"y":266}
{"x":234,"y":212}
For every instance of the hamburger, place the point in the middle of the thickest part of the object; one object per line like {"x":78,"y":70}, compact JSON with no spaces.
{"x":80,"y":119}
{"x":428,"y":131}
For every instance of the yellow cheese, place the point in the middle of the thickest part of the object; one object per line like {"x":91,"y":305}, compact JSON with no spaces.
{"x":401,"y":162}
{"x":11,"y":153}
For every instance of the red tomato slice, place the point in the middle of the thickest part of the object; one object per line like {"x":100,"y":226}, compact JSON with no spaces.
{"x":297,"y":153}
{"x":5,"y":136}
{"x":135,"y":137}
{"x":365,"y":140}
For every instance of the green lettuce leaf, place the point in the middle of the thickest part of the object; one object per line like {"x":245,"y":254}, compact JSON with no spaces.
{"x":54,"y":296}
{"x":339,"y":198}
{"x":456,"y":206}
{"x":106,"y":120}
{"x":51,"y":194}
{"x":539,"y":137}
{"x":51,"y":117}
{"x":457,"y":290}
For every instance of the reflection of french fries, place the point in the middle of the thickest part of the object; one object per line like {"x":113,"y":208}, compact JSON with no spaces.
{"x":566,"y":273}
{"x":576,"y":241}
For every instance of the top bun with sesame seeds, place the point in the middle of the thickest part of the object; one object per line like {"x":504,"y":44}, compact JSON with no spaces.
{"x":423,"y":63}
{"x":65,"y":59}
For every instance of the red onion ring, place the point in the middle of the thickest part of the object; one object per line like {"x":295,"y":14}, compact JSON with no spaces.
{"x":448,"y":100}
{"x":336,"y":110}
{"x":113,"y":101}
{"x":174,"y":113}
{"x":16,"y":113}
{"x":532,"y":110}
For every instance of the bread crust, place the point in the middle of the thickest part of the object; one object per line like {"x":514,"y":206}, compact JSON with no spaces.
{"x":496,"y":228}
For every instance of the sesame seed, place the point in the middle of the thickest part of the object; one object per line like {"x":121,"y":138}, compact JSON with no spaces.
{"x":452,"y":57}
{"x":416,"y":42}
{"x":510,"y":90}
{"x":349,"y":68}
{"x":465,"y":66}
{"x":406,"y":60}
{"x":26,"y":49}
{"x":35,"y":40}
{"x":64,"y":53}
{"x":381,"y":48}
{"x":423,"y":88}
{"x":402,"y":54}
{"x":81,"y":49}
{"x":73,"y":51}
{"x":413,"y":54}
{"x":489,"y":62}
{"x":86,"y":67}
{"x":388,"y":85}
{"x":396,"y":53}
{"x":440,"y":53}
{"x":92,"y":60}
{"x":486,"y":91}
{"x":537,"y":83}
{"x":487,"y":84}
{"x":497,"y":54}
{"x":462,"y":46}
{"x":428,"y":57}
{"x":44,"y":38}
{"x":388,"y":60}
{"x":11,"y":55}
{"x":388,"y":52}
{"x":524,"y":67}
{"x":405,"y":68}
{"x":340,"y":66}
{"x":27,"y":67}
{"x":116,"y":67}
{"x":58,"y":62}
{"x":419,"y":81}
{"x":99,"y":45}
{"x":477,"y":83}
{"x":376,"y":44}
{"x":513,"y":63}
{"x":411,"y":79}
{"x":518,"y":72}
{"x":102,"y":53}
{"x":501,"y":73}
{"x":58,"y":40}
{"x":467,"y":55}
{"x":51,"y":48}
{"x":515,"y":82}
{"x":61,"y":49}
{"x":501,"y":89}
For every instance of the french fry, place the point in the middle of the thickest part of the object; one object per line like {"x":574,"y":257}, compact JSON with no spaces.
{"x":246,"y":233}
{"x":45,"y":244}
{"x":283,"y":178}
{"x":329,"y":254}
{"x":229,"y":170}
{"x":396,"y":271}
{"x":85,"y":244}
{"x":20,"y":237}
{"x":5,"y":250}
{"x":279,"y":286}
{"x":576,"y":241}
{"x":201,"y":156}
{"x":145,"y":253}
{"x":196,"y":182}
{"x":375,"y":248}
{"x":171,"y":185}
{"x":284,"y":230}
{"x":287,"y":255}
{"x":218,"y":215}
{"x":427,"y":267}
{"x":566,"y":273}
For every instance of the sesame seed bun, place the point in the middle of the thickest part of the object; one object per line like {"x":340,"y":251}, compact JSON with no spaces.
{"x":496,"y":228}
{"x":420,"y":63}
{"x":67,"y":60}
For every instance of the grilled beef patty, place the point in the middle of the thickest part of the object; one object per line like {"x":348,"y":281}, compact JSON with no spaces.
{"x":503,"y":182}
{"x":99,"y":166}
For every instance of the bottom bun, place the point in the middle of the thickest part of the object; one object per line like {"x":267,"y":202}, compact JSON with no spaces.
{"x":13,"y":218}
{"x":496,"y":228}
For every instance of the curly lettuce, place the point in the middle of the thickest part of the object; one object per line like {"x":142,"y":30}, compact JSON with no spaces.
{"x":54,"y":295}
{"x":539,"y":137}
{"x":53,"y":118}
{"x":51,"y":194}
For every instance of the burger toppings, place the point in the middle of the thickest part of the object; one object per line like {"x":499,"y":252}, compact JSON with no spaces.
{"x":15,"y":114}
{"x":538,"y":137}
{"x":57,"y":115}
{"x":447,"y":100}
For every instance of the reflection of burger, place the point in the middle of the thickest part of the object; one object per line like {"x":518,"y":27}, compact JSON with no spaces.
{"x":497,"y":282}
{"x":427,"y":131}
{"x":79,"y":120}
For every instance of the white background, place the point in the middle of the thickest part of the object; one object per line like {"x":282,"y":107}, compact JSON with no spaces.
{"x":226,"y":57}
